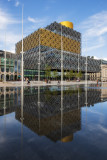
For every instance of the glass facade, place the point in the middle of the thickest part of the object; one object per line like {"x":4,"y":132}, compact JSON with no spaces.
{"x":9,"y":65}
{"x":13,"y":68}
{"x":33,"y":74}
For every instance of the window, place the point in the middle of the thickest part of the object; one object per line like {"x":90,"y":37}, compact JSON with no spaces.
{"x":12,"y":62}
{"x":2,"y":61}
{"x":11,"y":69}
{"x":2,"y":69}
{"x":11,"y":77}
{"x":7,"y":61}
{"x":7,"y":69}
{"x":15,"y":66}
{"x":19,"y":68}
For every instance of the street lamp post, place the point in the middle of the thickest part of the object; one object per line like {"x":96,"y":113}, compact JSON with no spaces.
{"x":86,"y":65}
{"x":5,"y":61}
{"x":39,"y":61}
{"x":101,"y":73}
{"x":61,"y":58}
{"x":78,"y":63}
{"x":22,"y":46}
{"x":61,"y":82}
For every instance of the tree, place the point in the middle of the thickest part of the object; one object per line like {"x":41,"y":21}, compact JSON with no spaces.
{"x":76,"y":74}
{"x":47,"y":71}
{"x":55,"y":74}
{"x":67,"y":74}
{"x":79,"y":74}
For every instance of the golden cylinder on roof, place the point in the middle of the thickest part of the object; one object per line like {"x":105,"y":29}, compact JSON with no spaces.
{"x":67,"y":24}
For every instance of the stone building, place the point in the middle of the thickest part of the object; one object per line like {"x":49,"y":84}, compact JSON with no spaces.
{"x":13,"y":66}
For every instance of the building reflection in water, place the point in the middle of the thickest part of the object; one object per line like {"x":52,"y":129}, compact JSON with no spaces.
{"x":53,"y":112}
{"x":10,"y":98}
{"x":46,"y":113}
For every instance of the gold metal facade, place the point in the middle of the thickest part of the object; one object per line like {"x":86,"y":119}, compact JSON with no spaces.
{"x":30,"y":41}
{"x":49,"y":39}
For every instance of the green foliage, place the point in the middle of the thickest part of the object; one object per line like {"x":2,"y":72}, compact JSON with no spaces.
{"x":76,"y":74}
{"x":47,"y":71}
{"x":55,"y":74}
{"x":67,"y":74}
{"x":80,"y":74}
{"x":71,"y":73}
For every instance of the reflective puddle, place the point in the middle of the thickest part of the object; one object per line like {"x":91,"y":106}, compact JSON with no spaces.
{"x":53,"y":123}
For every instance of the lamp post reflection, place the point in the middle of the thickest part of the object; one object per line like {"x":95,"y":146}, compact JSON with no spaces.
{"x":86,"y":101}
{"x":78,"y":97}
{"x":39,"y":105}
{"x":4,"y":100}
{"x":22,"y":102}
{"x":4,"y":107}
{"x":61,"y":109}
{"x":22,"y":118}
{"x":86,"y":82}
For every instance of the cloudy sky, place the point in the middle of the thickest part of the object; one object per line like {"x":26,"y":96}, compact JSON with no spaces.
{"x":89,"y":17}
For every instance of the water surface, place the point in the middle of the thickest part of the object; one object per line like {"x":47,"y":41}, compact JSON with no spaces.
{"x":53,"y":123}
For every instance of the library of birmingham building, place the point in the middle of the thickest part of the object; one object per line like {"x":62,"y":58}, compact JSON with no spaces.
{"x":43,"y":48}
